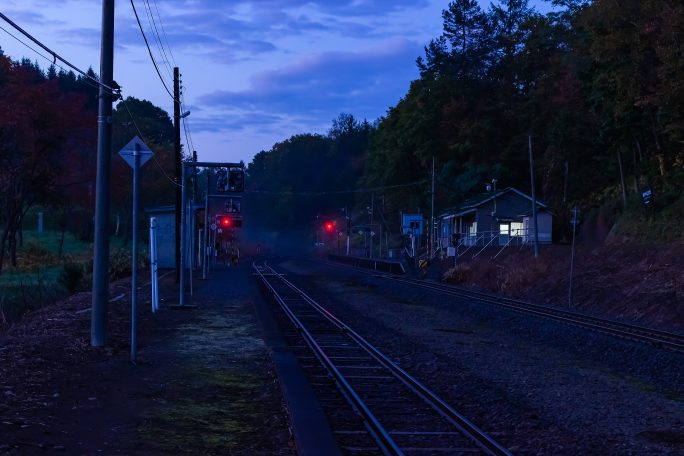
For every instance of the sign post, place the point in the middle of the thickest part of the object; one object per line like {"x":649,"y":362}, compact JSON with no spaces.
{"x":136,"y":154}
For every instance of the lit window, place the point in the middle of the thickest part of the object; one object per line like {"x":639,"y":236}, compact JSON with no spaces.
{"x":517,"y":229}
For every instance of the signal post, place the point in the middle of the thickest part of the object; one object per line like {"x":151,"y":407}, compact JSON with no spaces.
{"x":230,"y":180}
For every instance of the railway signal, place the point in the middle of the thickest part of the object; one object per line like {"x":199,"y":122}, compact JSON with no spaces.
{"x":329,"y":227}
{"x":226,"y":221}
{"x":230,"y":180}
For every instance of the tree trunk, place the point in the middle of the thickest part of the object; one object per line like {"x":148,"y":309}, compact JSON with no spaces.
{"x":13,"y":247}
{"x":61,"y":240}
{"x":636,"y":168}
{"x":3,"y":243}
{"x":622,"y":179}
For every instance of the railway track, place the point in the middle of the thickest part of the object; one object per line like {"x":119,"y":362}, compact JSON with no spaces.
{"x":402,"y":416}
{"x":657,"y":338}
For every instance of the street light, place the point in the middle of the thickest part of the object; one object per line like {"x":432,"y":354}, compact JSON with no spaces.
{"x":185,"y":114}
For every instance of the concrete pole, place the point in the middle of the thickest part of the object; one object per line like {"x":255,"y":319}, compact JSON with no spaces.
{"x":182,"y":236}
{"x":432,"y":212}
{"x":100,"y":295}
{"x":206,"y":230}
{"x":179,"y":159}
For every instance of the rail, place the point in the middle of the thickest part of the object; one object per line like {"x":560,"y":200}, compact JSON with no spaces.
{"x":298,"y":306}
{"x":655,"y":337}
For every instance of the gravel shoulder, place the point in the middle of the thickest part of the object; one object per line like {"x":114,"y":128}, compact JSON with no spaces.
{"x":539,"y":387}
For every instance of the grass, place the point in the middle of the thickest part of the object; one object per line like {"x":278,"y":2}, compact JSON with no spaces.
{"x":662,"y":224}
{"x":42,"y":276}
{"x":216,"y":412}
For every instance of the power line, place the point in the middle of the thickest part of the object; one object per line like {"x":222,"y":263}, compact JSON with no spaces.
{"x":186,"y":124}
{"x":337,"y":192}
{"x":154,"y":62}
{"x":54,"y":55}
{"x":153,"y":27}
{"x":86,"y":81}
{"x":140,"y":134}
{"x":161,"y":23}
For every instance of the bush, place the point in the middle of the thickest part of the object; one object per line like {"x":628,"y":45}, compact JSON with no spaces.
{"x":72,"y":277}
{"x":36,"y":255}
{"x":461,"y":273}
{"x":120,"y":263}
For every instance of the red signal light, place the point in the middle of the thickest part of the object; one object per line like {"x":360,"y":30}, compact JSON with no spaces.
{"x":224,"y":222}
{"x":329,"y":227}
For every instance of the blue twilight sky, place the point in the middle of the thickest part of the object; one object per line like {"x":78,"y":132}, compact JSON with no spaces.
{"x":254,"y":72}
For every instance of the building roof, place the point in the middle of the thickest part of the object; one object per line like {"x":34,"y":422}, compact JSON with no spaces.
{"x":470,"y":205}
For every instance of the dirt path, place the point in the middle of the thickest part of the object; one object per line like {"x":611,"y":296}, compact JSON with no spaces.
{"x":203,"y":382}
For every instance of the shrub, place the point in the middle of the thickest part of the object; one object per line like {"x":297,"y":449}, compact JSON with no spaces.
{"x":72,"y":277}
{"x":119,"y":264}
{"x":461,"y":273}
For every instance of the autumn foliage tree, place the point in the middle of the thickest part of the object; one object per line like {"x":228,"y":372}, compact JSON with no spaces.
{"x":37,"y":120}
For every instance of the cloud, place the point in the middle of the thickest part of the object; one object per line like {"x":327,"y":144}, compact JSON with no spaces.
{"x":321,"y":86}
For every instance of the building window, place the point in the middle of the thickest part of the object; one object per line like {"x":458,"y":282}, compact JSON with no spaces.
{"x":517,"y":229}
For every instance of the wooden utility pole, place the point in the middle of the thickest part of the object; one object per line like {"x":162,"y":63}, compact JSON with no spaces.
{"x":534,"y":201}
{"x":100,"y":295}
{"x":622,"y":179}
{"x":177,"y":150}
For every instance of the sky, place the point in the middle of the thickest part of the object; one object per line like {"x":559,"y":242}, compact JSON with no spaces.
{"x":253,"y":73}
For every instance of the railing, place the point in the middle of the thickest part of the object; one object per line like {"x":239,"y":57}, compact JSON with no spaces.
{"x":486,"y":239}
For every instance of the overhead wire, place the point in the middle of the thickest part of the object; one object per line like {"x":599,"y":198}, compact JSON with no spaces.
{"x":93,"y":82}
{"x":186,"y":125}
{"x":155,"y":30}
{"x":338,"y":192}
{"x":55,"y":57}
{"x":161,"y":23}
{"x":153,"y":27}
{"x":89,"y":80}
{"x":149,"y":50}
{"x":142,"y":136}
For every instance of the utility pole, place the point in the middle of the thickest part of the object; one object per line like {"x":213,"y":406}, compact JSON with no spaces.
{"x":348,"y":215}
{"x":370,"y":229}
{"x":534,"y":201}
{"x":100,"y":296}
{"x":177,"y":149}
{"x":432,"y":212}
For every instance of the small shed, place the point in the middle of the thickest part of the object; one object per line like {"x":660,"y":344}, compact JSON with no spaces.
{"x":165,"y":216}
{"x":500,"y":218}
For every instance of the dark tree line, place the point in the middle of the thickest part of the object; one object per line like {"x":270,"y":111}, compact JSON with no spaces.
{"x":307,"y":176}
{"x":596,"y":85}
{"x":48,"y":135}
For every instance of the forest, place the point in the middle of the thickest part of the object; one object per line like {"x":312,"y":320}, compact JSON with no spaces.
{"x":594,"y":87}
{"x":48,"y":135}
